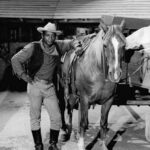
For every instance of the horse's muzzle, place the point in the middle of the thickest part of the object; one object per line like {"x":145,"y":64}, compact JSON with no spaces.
{"x":115,"y":75}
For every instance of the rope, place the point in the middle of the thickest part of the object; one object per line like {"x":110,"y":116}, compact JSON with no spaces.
{"x":133,"y":73}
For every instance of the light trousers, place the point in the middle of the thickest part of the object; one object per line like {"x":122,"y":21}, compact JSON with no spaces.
{"x":41,"y":93}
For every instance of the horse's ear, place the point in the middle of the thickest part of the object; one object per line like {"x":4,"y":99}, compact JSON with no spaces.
{"x":103,"y":26}
{"x":122,"y":25}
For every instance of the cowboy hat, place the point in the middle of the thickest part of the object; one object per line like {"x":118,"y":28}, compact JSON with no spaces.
{"x":51,"y":27}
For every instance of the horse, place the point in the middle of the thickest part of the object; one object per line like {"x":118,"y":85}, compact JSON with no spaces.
{"x":140,"y":40}
{"x":97,"y":72}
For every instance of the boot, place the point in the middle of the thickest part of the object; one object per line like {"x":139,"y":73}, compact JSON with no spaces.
{"x":53,"y":139}
{"x":37,"y":139}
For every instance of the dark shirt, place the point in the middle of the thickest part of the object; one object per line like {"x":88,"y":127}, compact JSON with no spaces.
{"x":47,"y":69}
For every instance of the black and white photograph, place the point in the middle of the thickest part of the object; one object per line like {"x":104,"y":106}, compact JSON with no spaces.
{"x":75,"y":75}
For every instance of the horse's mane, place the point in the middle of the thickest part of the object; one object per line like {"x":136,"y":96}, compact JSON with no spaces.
{"x":94,"y":55}
{"x":94,"y":51}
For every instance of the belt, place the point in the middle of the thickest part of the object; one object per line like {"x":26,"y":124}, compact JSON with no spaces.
{"x":43,"y":81}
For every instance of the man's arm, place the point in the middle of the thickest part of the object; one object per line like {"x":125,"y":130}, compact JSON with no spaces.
{"x":21,"y":58}
{"x":67,"y":45}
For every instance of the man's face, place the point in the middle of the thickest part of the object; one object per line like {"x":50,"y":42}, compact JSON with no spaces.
{"x":48,"y":37}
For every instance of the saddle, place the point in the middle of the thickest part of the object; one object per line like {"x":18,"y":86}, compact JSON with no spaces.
{"x":70,"y":90}
{"x":85,"y":41}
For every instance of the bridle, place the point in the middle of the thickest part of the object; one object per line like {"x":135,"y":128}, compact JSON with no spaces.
{"x":106,"y":37}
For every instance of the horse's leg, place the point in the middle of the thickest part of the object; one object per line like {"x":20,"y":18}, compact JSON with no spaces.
{"x":66,"y":123}
{"x":64,"y":131}
{"x":83,"y":121}
{"x":69,"y":112}
{"x":104,"y":122}
{"x":62,"y":111}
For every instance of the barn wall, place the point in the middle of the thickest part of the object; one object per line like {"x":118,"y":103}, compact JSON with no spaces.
{"x":65,"y":9}
{"x":28,"y":8}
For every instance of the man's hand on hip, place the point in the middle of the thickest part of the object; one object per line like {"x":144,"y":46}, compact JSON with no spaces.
{"x":26,"y":78}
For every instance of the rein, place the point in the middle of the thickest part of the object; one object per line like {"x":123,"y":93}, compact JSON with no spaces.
{"x":133,"y":73}
{"x":143,"y":60}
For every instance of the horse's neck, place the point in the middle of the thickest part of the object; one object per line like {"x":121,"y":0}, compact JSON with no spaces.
{"x":93,"y":54}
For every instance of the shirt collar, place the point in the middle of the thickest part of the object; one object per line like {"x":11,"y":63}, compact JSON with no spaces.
{"x":51,"y":50}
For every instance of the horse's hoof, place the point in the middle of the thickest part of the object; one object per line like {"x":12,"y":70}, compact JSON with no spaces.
{"x":81,"y":144}
{"x":73,"y":136}
{"x":64,"y":136}
{"x":80,"y":147}
{"x":102,"y":145}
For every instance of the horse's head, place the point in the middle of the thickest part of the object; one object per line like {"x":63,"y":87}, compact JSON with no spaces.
{"x":113,"y":44}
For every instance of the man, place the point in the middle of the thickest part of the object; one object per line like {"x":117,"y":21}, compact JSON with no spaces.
{"x":41,"y":58}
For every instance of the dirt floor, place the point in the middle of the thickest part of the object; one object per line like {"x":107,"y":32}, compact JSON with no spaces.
{"x":126,"y":126}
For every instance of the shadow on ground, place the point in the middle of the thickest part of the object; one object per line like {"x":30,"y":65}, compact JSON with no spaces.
{"x":131,"y":137}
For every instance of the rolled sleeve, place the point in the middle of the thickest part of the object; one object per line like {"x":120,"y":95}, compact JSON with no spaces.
{"x":21,"y":58}
{"x":65,"y":45}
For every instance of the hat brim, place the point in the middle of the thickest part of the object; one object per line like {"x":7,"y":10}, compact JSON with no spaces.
{"x":41,"y":29}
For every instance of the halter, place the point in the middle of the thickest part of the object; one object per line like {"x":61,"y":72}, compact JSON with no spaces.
{"x":110,"y":32}
{"x":105,"y":39}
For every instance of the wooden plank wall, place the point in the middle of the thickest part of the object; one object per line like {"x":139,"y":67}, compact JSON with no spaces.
{"x":74,"y":9}
{"x":28,"y":8}
{"x":97,"y":8}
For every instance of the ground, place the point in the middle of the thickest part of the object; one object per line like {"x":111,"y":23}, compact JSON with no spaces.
{"x":126,"y":126}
